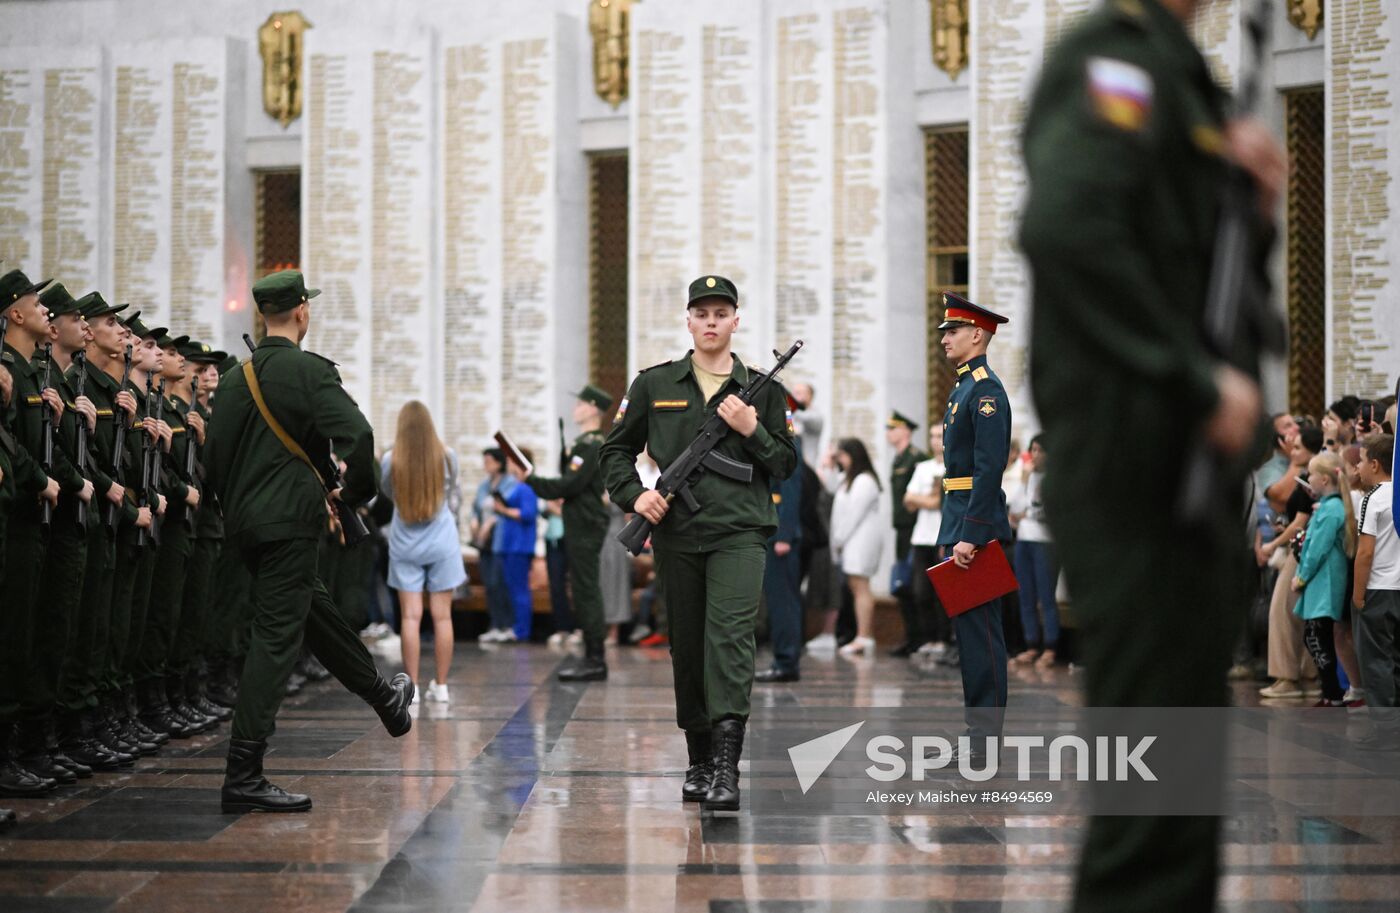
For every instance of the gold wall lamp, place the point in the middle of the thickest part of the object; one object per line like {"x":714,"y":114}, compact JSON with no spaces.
{"x":280,"y":41}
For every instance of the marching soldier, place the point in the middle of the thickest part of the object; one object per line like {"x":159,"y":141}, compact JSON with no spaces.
{"x":585,"y":526}
{"x":283,"y":405}
{"x":1127,"y":150}
{"x":712,"y":560}
{"x":976,"y":447}
{"x":899,"y":434}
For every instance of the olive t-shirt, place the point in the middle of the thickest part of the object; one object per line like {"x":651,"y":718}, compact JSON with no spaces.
{"x":710,"y":383}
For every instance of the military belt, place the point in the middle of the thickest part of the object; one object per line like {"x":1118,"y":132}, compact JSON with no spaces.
{"x":962,"y":483}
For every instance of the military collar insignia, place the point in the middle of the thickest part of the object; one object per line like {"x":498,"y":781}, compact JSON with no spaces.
{"x":963,"y":369}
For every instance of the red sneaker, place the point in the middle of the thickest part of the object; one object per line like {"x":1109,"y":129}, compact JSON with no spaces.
{"x":656,"y":640}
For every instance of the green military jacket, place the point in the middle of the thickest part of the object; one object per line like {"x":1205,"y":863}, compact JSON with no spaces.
{"x":268,"y":493}
{"x":1123,"y":148}
{"x":66,"y":437}
{"x":138,"y":443}
{"x":901,"y":472}
{"x":102,"y":389}
{"x":175,"y":486}
{"x":209,"y":518}
{"x":663,"y":412}
{"x":581,"y":487}
{"x":27,"y":425}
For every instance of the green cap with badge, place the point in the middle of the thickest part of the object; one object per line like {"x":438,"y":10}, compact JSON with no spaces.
{"x":140,"y":330}
{"x":595,"y":396}
{"x":713,"y":287}
{"x":281,"y":291}
{"x":57,"y":299}
{"x":166,"y":341}
{"x":898,"y":419}
{"x":93,"y":305}
{"x":201,"y":354}
{"x":14,"y":285}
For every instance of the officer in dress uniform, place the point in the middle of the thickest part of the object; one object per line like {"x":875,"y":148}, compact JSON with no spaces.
{"x":976,"y":444}
{"x":275,"y":510}
{"x":585,"y":527}
{"x":711,"y":561}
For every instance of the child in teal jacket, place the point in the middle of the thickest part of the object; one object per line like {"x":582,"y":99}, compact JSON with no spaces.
{"x":1322,"y":570}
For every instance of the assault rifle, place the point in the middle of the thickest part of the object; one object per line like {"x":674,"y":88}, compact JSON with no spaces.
{"x":352,"y":526}
{"x":150,"y":468}
{"x":189,"y":451}
{"x":680,"y":477}
{"x":80,"y":359}
{"x":1237,"y":314}
{"x":119,"y":427}
{"x":46,"y":507}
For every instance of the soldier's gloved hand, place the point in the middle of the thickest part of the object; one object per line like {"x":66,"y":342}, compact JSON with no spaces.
{"x":55,"y":403}
{"x":143,"y":517}
{"x":192,"y":496}
{"x":963,"y":553}
{"x":50,"y":492}
{"x":116,"y":494}
{"x":652,"y":506}
{"x":85,"y":495}
{"x":742,"y":418}
{"x":195,"y":421}
{"x":127,"y":402}
{"x":84,"y":407}
{"x":1232,"y":425}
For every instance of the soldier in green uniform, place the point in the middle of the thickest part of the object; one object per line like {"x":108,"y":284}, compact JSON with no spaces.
{"x":712,"y":561}
{"x":275,"y":507}
{"x":899,"y":434}
{"x":63,"y":641}
{"x":116,"y":412}
{"x":1127,"y":148}
{"x":27,"y":537}
{"x":585,"y":526}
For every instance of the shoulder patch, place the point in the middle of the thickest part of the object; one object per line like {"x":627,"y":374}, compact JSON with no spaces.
{"x":987,"y":406}
{"x":575,"y":462}
{"x":1121,"y":92}
{"x":979,"y":374}
{"x":621,"y":411}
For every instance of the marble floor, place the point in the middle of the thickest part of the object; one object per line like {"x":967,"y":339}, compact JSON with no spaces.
{"x":528,"y":794}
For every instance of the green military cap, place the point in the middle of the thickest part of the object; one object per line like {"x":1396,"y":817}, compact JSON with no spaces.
{"x":93,"y":305}
{"x":897,"y":419}
{"x":713,"y":287}
{"x":14,"y":285}
{"x":281,"y":291}
{"x":140,"y":330}
{"x":57,"y":299}
{"x":229,"y":363}
{"x":201,"y":353}
{"x":596,"y":396}
{"x":166,"y":341}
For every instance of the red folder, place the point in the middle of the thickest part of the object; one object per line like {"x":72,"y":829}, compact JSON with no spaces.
{"x":988,"y":577}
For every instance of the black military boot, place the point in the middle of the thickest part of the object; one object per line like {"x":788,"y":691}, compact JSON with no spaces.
{"x":108,"y":725}
{"x":33,"y":754}
{"x":77,"y":739}
{"x":7,"y":819}
{"x":60,"y":757}
{"x":591,"y":667}
{"x":223,"y":684}
{"x":197,"y":691}
{"x":181,"y":707}
{"x":697,"y":775}
{"x":247,"y":790}
{"x":391,"y":700}
{"x":728,"y":740}
{"x":15,"y":781}
{"x":131,"y":720}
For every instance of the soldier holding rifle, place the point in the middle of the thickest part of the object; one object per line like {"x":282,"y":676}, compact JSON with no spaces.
{"x":711,"y":540}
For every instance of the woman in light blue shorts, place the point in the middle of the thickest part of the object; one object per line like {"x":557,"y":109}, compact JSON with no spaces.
{"x":425,"y":553}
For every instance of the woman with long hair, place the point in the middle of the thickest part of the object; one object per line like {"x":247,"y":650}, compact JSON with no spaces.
{"x":856,"y":536}
{"x":425,"y":555}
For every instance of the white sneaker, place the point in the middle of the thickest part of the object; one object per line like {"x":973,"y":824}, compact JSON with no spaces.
{"x":823,"y":643}
{"x":934,"y":650}
{"x":490,"y":637}
{"x":557,"y":638}
{"x":861,"y":646}
{"x":435,"y":692}
{"x":639,"y":634}
{"x":575,"y":638}
{"x":417,"y":692}
{"x":506,"y":636}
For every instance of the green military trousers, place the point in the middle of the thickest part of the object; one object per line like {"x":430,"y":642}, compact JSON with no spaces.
{"x":586,"y":591}
{"x":712,"y":605}
{"x":55,"y":612}
{"x":231,"y":605}
{"x":191,"y":628}
{"x":86,"y":661}
{"x":25,"y":543}
{"x":1125,"y":616}
{"x":164,"y":604}
{"x":138,"y":615}
{"x":290,"y":601}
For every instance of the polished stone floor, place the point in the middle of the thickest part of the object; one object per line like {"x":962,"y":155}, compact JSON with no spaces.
{"x":525,"y":794}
